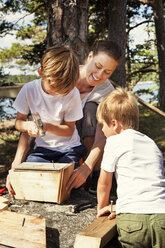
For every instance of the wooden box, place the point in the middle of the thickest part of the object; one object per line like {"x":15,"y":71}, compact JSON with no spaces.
{"x":41,"y":181}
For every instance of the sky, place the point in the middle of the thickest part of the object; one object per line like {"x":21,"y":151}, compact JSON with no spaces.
{"x":11,"y":38}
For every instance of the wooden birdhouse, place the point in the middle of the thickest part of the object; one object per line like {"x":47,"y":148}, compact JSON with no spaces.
{"x":44,"y":182}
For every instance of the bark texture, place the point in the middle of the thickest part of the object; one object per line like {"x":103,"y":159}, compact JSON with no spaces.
{"x":117,"y":32}
{"x":68,"y":24}
{"x":160,"y":37}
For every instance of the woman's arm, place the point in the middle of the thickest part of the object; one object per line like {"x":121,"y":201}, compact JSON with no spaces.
{"x":80,"y":175}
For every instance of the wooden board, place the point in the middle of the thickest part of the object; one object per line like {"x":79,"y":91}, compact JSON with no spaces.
{"x":41,"y":166}
{"x":97,"y":234}
{"x":4,"y":203}
{"x":14,"y":233}
{"x":41,"y":185}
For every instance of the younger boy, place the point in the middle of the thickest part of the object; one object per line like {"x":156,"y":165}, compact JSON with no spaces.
{"x":58,"y":103}
{"x":138,"y":166}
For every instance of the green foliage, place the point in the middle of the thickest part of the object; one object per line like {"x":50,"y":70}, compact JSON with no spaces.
{"x":98,"y":21}
{"x":22,"y":53}
{"x":142,"y":59}
{"x":3,"y":76}
{"x":153,"y":125}
{"x":20,"y":78}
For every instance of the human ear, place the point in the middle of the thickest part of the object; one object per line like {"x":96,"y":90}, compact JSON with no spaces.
{"x":90,"y":55}
{"x":40,"y":73}
{"x":116,"y":125}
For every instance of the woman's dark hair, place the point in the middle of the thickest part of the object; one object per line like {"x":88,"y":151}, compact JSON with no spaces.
{"x":111,"y":48}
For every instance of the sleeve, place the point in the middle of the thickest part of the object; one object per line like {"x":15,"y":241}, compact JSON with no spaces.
{"x":110,"y":156}
{"x":20,"y":103}
{"x":73,"y":111}
{"x":106,"y":89}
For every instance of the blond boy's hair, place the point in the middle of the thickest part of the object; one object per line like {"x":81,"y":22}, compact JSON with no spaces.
{"x":60,"y":66}
{"x":120,"y":105}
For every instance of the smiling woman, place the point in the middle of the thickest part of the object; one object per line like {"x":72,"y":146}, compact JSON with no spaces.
{"x":94,"y":85}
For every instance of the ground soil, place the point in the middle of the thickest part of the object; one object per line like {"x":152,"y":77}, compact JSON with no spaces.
{"x":62,"y":224}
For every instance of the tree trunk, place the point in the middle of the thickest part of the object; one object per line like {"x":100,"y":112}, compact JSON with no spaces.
{"x":160,"y":37}
{"x":117,"y":32}
{"x":68,"y":24}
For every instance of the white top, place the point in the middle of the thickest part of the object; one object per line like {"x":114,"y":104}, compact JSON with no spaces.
{"x":52,"y":109}
{"x":138,"y":164}
{"x":98,"y":92}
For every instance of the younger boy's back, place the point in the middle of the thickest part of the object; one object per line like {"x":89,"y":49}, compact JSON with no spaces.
{"x":140,"y":175}
{"x":138,"y":165}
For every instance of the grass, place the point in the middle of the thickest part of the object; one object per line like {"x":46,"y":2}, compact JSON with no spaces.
{"x":153,"y":125}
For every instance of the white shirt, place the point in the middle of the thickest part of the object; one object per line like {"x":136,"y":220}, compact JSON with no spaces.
{"x":139,"y":168}
{"x":98,"y":93}
{"x":52,"y":109}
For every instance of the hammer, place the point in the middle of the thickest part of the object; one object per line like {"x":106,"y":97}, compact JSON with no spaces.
{"x":39,"y":123}
{"x":82,"y":206}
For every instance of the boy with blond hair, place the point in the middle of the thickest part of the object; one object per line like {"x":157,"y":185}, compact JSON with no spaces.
{"x":138,"y":166}
{"x":58,"y":103}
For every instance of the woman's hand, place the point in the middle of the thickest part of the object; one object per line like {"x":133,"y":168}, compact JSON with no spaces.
{"x":106,"y":210}
{"x":78,"y":177}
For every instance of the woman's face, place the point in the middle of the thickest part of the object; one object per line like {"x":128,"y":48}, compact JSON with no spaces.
{"x":99,"y":68}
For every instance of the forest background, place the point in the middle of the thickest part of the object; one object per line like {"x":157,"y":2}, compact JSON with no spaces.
{"x":80,"y":23}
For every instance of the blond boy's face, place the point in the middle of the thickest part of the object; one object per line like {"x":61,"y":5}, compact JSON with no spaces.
{"x":49,"y":89}
{"x":108,"y":130}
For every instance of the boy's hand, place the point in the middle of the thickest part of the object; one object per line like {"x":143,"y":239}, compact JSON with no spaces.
{"x":32,"y":129}
{"x":105,"y":210}
{"x":9,"y":187}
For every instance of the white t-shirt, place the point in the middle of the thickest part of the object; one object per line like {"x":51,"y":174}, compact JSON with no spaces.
{"x":138,"y":164}
{"x":52,"y":109}
{"x":98,"y":93}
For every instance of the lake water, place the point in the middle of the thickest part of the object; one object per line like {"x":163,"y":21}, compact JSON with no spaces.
{"x":141,"y":89}
{"x":7,"y":111}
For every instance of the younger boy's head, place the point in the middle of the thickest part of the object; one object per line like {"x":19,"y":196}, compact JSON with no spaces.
{"x":121,"y":106}
{"x":60,"y":69}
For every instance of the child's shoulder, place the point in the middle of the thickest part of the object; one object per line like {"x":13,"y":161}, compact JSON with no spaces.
{"x":32,"y":83}
{"x":73,"y":92}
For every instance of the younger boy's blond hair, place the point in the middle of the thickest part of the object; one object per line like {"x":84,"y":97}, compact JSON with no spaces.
{"x":120,"y":105}
{"x":60,"y":66}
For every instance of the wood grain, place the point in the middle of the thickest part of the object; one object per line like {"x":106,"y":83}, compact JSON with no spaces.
{"x":97,"y":234}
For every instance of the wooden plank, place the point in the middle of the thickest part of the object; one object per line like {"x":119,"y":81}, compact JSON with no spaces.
{"x":4,"y":203}
{"x":3,"y":206}
{"x":97,"y":234}
{"x":22,"y":231}
{"x":10,"y":91}
{"x":65,"y":175}
{"x":41,"y":166}
{"x":4,"y":200}
{"x":144,"y":103}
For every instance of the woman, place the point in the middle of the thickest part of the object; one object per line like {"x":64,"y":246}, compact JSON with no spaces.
{"x":93,"y":85}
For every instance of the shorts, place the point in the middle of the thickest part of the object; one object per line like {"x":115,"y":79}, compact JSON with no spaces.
{"x":87,"y":125}
{"x":141,"y":230}
{"x":45,"y":155}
